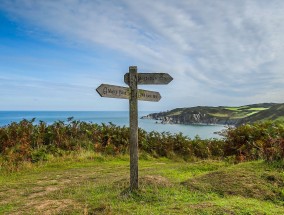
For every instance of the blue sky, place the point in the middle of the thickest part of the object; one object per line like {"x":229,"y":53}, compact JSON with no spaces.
{"x":54,"y":54}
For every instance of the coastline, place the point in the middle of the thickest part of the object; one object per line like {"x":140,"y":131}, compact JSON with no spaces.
{"x":169,"y":120}
{"x":119,"y":118}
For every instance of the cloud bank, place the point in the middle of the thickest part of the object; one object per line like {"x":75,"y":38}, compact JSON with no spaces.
{"x":219,"y":52}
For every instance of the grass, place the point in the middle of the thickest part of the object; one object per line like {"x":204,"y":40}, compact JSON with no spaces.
{"x":233,"y":108}
{"x":281,"y":119}
{"x":251,"y":113}
{"x":175,"y":113}
{"x":258,"y":109}
{"x":239,"y":112}
{"x":224,"y":115}
{"x":95,"y":184}
{"x":245,"y":110}
{"x":240,"y":108}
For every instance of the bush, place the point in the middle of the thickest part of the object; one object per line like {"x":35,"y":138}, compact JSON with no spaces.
{"x":29,"y":142}
{"x":263,"y":140}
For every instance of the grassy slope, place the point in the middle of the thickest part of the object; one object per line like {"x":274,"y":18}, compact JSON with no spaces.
{"x":276,"y":112}
{"x":98,"y":185}
{"x":248,"y":113}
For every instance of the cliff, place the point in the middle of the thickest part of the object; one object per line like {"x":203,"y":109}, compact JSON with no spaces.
{"x":221,"y":115}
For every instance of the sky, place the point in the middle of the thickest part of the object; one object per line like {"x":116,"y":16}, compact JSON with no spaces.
{"x":54,"y":54}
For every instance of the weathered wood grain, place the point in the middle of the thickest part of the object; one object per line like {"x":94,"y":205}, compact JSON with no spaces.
{"x":133,"y":105}
{"x":150,"y":78}
{"x":112,"y":91}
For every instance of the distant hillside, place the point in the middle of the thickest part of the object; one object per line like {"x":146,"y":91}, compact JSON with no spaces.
{"x":221,"y":115}
{"x":275,"y":112}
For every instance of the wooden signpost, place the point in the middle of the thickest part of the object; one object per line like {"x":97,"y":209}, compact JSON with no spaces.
{"x":112,"y":91}
{"x":132,"y":79}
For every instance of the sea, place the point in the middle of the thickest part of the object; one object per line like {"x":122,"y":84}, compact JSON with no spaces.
{"x":119,"y":118}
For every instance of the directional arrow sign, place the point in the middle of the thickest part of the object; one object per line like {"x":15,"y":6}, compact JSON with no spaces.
{"x":112,"y":91}
{"x":151,"y":96}
{"x":150,"y":78}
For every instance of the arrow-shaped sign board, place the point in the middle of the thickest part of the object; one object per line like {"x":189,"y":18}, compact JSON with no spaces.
{"x":150,"y":96}
{"x":112,"y":91}
{"x":150,"y":78}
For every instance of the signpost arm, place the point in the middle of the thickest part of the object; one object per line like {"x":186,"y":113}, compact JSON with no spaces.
{"x":133,"y":115}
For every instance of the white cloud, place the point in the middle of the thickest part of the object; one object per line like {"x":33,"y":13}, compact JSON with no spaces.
{"x":228,"y":51}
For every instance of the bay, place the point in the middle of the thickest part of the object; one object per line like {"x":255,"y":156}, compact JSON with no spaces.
{"x":120,"y":118}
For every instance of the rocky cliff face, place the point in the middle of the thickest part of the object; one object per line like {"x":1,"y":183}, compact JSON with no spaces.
{"x":190,"y":118}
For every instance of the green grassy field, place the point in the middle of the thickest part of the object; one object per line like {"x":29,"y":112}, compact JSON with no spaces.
{"x":89,"y":183}
{"x":223,"y":114}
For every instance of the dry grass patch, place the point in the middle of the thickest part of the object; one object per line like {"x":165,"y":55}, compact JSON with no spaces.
{"x":49,"y":207}
{"x":239,"y":182}
{"x":145,"y":181}
{"x":155,"y":180}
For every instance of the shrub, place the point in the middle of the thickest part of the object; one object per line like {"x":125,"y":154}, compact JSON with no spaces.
{"x":263,"y":140}
{"x":29,"y":142}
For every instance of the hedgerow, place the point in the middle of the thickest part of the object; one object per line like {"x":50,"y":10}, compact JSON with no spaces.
{"x":27,"y":141}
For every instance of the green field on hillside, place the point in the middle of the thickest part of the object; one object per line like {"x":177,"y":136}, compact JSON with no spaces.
{"x":222,"y":114}
{"x":89,"y":183}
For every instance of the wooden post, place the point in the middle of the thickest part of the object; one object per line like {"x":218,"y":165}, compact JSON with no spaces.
{"x":133,"y":115}
{"x":132,"y":79}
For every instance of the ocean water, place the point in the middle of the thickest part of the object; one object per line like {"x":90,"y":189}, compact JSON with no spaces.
{"x":120,"y":118}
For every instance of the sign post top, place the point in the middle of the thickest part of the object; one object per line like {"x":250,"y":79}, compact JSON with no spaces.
{"x":150,"y":78}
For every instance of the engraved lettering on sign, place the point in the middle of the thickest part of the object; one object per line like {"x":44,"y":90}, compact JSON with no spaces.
{"x":105,"y":90}
{"x":150,"y":78}
{"x":112,"y":91}
{"x":146,"y":95}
